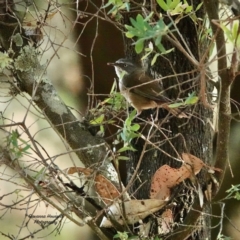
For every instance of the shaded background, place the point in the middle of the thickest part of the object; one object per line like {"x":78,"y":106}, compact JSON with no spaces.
{"x":73,"y":74}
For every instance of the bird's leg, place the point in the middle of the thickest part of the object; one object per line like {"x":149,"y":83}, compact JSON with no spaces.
{"x":138,"y":113}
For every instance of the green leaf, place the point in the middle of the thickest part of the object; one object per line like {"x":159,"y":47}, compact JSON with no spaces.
{"x":121,"y":235}
{"x":132,"y":115}
{"x":188,"y":10}
{"x":129,"y":35}
{"x":176,"y":105}
{"x":122,"y":135}
{"x":146,"y":55}
{"x":148,"y":17}
{"x":135,"y":127}
{"x":158,"y":39}
{"x":139,"y":46}
{"x":14,"y":138}
{"x":123,"y":158}
{"x":227,"y":32}
{"x":127,"y":4}
{"x":113,"y":10}
{"x":126,"y":148}
{"x":97,"y":120}
{"x":134,"y":23}
{"x":162,"y":26}
{"x":235,"y":34}
{"x":161,"y":48}
{"x":128,"y":122}
{"x":163,"y":5}
{"x":235,"y":30}
{"x":192,"y":99}
{"x":128,"y":27}
{"x":168,"y":51}
{"x":101,"y":129}
{"x":199,"y":6}
{"x":133,"y":135}
{"x":26,"y":148}
{"x":233,"y":192}
{"x":173,"y":4}
{"x":237,"y":196}
{"x":140,"y":20}
{"x":154,"y":58}
{"x":18,"y":40}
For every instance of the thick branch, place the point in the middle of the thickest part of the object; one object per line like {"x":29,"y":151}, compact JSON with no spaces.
{"x":32,"y":79}
{"x":224,"y":94}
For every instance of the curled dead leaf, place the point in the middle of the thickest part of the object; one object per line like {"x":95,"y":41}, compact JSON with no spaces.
{"x":72,"y":170}
{"x":106,"y":190}
{"x":167,"y":177}
{"x":195,"y":163}
{"x":134,"y":210}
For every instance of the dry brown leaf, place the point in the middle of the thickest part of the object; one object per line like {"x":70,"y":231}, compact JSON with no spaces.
{"x":165,"y":221}
{"x":195,"y":162}
{"x":135,"y":210}
{"x":167,"y":177}
{"x":106,"y":190}
{"x":72,"y":170}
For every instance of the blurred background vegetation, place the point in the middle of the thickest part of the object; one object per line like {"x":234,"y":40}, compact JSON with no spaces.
{"x":81,"y":61}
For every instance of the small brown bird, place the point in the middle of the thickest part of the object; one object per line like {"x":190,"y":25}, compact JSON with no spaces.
{"x":134,"y":86}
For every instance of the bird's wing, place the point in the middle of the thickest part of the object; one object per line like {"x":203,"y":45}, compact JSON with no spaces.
{"x":150,"y":92}
{"x":137,"y":84}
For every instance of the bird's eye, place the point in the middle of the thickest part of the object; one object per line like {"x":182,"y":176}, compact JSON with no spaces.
{"x":125,"y":65}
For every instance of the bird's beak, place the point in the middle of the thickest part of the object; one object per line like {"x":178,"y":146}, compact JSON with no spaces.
{"x":111,"y":64}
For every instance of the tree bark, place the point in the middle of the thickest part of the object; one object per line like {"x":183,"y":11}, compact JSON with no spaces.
{"x":175,"y":135}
